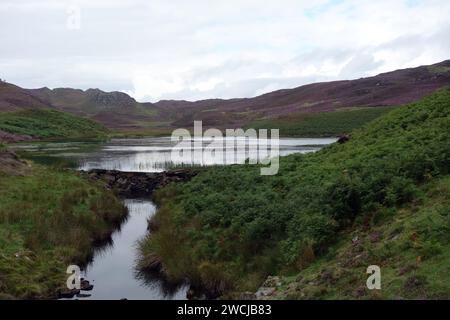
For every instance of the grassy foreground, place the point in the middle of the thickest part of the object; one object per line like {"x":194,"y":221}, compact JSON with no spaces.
{"x":229,"y":228}
{"x":47,"y":123}
{"x":410,"y":244}
{"x":49,"y":219}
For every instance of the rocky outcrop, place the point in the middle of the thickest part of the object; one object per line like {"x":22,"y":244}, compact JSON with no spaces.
{"x":268,"y":288}
{"x":343,"y":139}
{"x":138,"y":184}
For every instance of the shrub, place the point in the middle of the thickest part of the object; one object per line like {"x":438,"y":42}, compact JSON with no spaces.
{"x":229,"y":216}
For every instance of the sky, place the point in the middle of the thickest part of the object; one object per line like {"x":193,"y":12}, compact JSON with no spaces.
{"x":198,"y":49}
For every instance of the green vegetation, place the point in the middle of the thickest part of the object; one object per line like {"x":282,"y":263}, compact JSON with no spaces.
{"x":303,"y":124}
{"x":439,"y":69}
{"x":47,"y":123}
{"x":229,"y":228}
{"x":49,"y":219}
{"x":139,"y":133}
{"x":410,"y":244}
{"x":323,"y":123}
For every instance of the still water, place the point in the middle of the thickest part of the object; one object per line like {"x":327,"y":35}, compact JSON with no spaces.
{"x":112,"y":271}
{"x":155,"y":154}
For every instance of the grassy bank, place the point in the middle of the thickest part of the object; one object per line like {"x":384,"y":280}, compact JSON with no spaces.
{"x":229,"y":227}
{"x":47,"y":124}
{"x":141,"y":133}
{"x":410,"y":244}
{"x":49,"y":219}
{"x":322,"y":124}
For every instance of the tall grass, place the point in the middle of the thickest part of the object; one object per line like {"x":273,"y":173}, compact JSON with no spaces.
{"x":48,"y":220}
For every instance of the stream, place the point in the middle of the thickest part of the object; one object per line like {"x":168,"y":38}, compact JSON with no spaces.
{"x":112,"y":269}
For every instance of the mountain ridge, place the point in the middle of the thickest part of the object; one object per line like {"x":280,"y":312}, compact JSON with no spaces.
{"x":118,"y":110}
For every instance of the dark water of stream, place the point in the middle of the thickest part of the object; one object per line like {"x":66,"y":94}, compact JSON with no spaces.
{"x":112,"y":271}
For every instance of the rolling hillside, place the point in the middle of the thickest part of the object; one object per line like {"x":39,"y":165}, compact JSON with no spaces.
{"x":388,"y":89}
{"x":117,"y":110}
{"x":14,"y":98}
{"x":382,"y":198}
{"x":46,"y":123}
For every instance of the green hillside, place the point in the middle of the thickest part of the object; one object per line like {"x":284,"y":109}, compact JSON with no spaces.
{"x":47,"y":123}
{"x":229,"y":228}
{"x":322,"y":123}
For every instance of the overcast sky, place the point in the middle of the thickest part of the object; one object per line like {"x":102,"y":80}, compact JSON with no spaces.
{"x":200,"y":49}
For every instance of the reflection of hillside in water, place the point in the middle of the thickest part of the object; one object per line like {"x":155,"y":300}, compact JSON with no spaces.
{"x":155,"y":155}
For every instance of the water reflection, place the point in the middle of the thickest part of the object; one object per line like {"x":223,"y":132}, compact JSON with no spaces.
{"x":112,"y":267}
{"x":154,"y":154}
{"x":112,"y":270}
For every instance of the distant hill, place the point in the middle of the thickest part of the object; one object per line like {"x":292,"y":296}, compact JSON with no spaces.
{"x":113,"y":109}
{"x":47,"y":124}
{"x":118,"y":110}
{"x":14,"y":98}
{"x":387,"y":89}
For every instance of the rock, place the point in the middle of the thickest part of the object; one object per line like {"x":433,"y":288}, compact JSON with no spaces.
{"x":190,"y":294}
{"x":199,"y":293}
{"x":137,"y":184}
{"x":415,"y":282}
{"x":247,"y":296}
{"x":108,"y":178}
{"x":343,"y":139}
{"x":83,"y":295}
{"x":327,"y":277}
{"x":122,"y":181}
{"x":67,"y":293}
{"x":272,"y":282}
{"x":86,"y":286}
{"x":293,"y":287}
{"x":265,"y":292}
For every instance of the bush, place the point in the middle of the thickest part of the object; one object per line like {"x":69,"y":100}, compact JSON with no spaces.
{"x":229,"y":216}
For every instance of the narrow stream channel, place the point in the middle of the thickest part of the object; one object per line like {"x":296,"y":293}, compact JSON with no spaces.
{"x":112,"y":271}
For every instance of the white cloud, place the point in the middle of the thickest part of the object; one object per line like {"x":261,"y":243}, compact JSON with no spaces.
{"x":202,"y":49}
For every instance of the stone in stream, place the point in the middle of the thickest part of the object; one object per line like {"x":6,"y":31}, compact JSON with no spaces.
{"x":67,"y":293}
{"x":86,"y":286}
{"x":138,"y":183}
